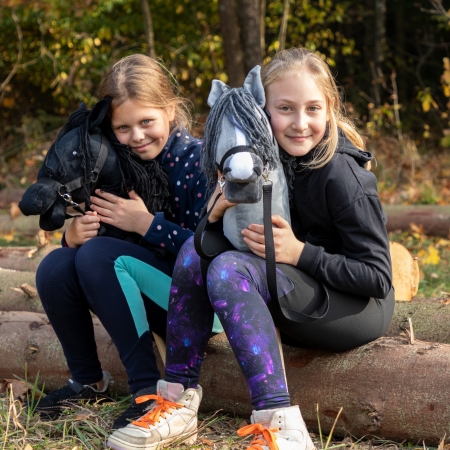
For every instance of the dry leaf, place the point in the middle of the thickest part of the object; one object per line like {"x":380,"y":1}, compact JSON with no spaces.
{"x":82,"y":416}
{"x":19,"y":387}
{"x":32,"y":252}
{"x":14,"y":210}
{"x":16,"y":289}
{"x":42,"y":237}
{"x":29,"y":290}
{"x":28,"y":447}
{"x":207,"y":442}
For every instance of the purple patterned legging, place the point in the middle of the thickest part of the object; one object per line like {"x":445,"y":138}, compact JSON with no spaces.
{"x":236,"y":291}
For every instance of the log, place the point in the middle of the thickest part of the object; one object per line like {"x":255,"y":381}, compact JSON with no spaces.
{"x":13,"y":297}
{"x":25,"y":225}
{"x":24,"y":258}
{"x":430,"y":317}
{"x":435,"y":219}
{"x":405,"y":272}
{"x":27,"y":338}
{"x":10,"y":195}
{"x":388,"y":388}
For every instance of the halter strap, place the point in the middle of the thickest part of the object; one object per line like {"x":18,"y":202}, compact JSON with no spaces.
{"x":64,"y":190}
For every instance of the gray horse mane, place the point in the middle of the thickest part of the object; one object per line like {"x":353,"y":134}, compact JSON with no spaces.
{"x":239,"y":106}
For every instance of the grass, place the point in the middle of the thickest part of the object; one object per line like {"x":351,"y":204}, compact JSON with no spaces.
{"x":88,"y":427}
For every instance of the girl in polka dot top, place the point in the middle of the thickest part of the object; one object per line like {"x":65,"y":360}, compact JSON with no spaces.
{"x":125,"y":284}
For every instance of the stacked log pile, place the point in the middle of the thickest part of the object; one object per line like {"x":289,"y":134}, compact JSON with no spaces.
{"x":395,"y":388}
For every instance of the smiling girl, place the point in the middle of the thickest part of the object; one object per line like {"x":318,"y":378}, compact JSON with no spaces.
{"x":125,"y":284}
{"x":333,"y":270}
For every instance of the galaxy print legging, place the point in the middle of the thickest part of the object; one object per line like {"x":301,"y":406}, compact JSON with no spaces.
{"x":236,"y":291}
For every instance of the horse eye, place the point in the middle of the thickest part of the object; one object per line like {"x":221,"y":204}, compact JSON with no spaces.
{"x":257,"y":170}
{"x":226,"y":170}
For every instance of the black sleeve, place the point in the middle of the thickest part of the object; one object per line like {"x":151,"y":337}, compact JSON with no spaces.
{"x":363,"y":266}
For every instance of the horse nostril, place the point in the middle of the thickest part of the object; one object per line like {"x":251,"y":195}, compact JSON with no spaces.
{"x":257,"y":170}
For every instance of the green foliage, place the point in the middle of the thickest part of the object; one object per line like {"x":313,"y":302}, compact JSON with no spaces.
{"x":67,"y":45}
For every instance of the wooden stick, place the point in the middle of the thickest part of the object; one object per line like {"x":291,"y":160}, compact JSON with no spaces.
{"x":161,"y":344}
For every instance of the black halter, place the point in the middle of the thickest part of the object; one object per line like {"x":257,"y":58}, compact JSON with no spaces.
{"x":65,"y":190}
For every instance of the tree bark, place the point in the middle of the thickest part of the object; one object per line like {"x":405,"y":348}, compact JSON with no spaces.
{"x":7,"y":196}
{"x":24,"y":258}
{"x":283,"y":26}
{"x":12,"y":297}
{"x":435,"y":219}
{"x":379,"y":45}
{"x":250,"y":15}
{"x":262,"y":18}
{"x":234,"y":56}
{"x":148,"y":24}
{"x":26,"y":225}
{"x":388,"y":388}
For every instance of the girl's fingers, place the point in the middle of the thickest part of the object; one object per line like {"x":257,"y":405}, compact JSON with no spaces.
{"x":107,"y":196}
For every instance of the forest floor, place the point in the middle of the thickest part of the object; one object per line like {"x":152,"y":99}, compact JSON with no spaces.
{"x":404,"y":177}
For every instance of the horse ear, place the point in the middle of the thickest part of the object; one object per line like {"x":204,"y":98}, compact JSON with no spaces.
{"x":254,"y":85}
{"x":217,"y":90}
{"x":99,"y":112}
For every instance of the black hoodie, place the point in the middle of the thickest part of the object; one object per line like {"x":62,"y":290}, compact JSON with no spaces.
{"x":340,"y":218}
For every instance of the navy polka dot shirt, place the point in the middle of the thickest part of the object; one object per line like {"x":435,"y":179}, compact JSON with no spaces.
{"x":181,"y":159}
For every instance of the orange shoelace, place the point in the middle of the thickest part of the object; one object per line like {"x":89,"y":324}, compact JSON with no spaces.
{"x":264,"y":436}
{"x":159,"y":410}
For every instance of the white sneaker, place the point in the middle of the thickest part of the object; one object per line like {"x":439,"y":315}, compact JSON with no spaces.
{"x":278,"y":429}
{"x":173,"y":418}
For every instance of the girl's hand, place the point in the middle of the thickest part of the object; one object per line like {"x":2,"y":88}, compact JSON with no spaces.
{"x":221,"y":206}
{"x":287,"y":247}
{"x":127,"y":214}
{"x":81,"y":229}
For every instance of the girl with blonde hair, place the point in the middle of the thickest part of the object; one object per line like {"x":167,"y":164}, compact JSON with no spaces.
{"x":126,"y":283}
{"x":333,"y":270}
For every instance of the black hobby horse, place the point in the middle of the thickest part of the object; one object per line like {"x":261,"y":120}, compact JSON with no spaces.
{"x":85,"y":156}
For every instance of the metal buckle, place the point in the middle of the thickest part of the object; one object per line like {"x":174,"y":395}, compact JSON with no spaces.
{"x":221,"y":182}
{"x":68,"y":199}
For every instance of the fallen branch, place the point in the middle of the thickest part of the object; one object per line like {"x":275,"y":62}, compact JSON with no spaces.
{"x":387,"y":388}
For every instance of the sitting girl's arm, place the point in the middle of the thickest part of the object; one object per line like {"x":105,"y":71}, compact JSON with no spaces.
{"x":126,"y":214}
{"x":363,"y":265}
{"x":81,"y":229}
{"x":287,"y":247}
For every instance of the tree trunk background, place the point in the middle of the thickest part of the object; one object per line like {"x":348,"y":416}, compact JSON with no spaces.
{"x":435,"y":219}
{"x":250,"y":19}
{"x":148,"y":24}
{"x":234,"y":56}
{"x":388,"y":388}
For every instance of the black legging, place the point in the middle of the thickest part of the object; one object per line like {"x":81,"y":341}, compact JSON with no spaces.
{"x":95,"y":277}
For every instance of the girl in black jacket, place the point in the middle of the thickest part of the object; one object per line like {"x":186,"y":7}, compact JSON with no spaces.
{"x":333,"y":268}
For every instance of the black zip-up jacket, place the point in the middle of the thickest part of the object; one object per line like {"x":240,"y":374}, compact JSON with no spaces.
{"x":340,"y":218}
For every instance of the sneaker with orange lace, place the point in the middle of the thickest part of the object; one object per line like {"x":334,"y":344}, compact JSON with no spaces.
{"x":172,"y":419}
{"x":278,"y":429}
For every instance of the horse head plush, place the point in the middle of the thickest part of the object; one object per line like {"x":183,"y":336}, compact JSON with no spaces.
{"x":71,"y":171}
{"x":240,"y":144}
{"x":81,"y":160}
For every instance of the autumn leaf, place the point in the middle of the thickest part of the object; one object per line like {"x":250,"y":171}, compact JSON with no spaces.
{"x":430,"y":256}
